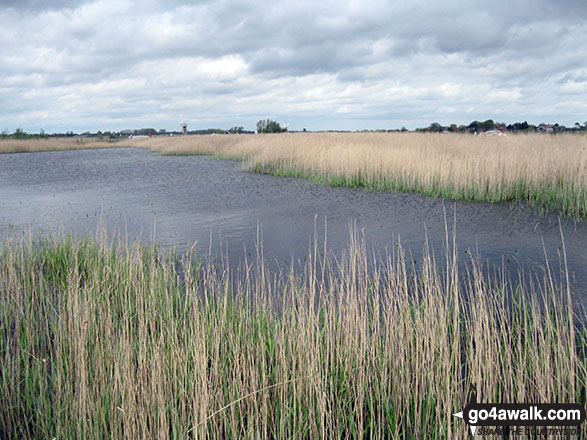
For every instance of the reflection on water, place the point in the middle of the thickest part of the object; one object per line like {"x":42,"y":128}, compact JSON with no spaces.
{"x":194,"y":198}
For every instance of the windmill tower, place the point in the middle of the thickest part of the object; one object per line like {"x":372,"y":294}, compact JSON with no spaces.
{"x":184,"y":127}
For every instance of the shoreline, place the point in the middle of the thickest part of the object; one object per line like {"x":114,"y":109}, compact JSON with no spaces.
{"x":546,"y":171}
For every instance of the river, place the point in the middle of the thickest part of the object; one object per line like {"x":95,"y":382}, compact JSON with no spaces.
{"x":180,"y":200}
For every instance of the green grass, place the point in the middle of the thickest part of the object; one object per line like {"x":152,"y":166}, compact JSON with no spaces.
{"x":546,"y":171}
{"x":564,"y":197}
{"x":99,"y":340}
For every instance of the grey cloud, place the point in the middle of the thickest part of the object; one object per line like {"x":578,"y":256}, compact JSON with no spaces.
{"x":574,"y":77}
{"x":326,"y":56}
{"x":381,"y":60}
{"x":40,"y":5}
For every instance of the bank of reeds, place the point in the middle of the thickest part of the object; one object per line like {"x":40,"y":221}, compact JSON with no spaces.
{"x":100,"y":340}
{"x":53,"y":144}
{"x":545,"y":170}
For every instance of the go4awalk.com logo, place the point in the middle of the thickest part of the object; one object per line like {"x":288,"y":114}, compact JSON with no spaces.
{"x":530,"y":418}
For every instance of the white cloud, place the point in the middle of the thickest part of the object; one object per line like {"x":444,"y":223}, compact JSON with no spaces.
{"x":112,"y":64}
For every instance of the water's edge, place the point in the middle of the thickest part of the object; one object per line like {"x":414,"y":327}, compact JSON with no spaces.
{"x":185,"y":199}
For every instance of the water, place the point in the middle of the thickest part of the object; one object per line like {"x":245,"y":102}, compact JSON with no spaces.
{"x":185,"y":199}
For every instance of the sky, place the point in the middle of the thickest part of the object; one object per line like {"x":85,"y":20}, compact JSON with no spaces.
{"x":321,"y":65}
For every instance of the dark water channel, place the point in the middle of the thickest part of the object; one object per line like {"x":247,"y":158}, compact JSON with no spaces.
{"x":184,"y":199}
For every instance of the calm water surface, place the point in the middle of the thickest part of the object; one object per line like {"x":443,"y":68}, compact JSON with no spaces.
{"x":184,"y":199}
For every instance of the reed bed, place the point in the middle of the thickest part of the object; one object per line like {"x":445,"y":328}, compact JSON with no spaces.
{"x":53,"y":144}
{"x":108,"y":340}
{"x":547,"y":171}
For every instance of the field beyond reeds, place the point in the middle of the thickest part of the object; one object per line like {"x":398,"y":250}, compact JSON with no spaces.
{"x":103,"y":340}
{"x":53,"y":144}
{"x":545,"y":170}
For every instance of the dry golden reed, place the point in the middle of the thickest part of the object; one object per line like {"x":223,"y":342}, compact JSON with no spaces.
{"x":548,"y":170}
{"x":52,"y":144}
{"x":109,"y":341}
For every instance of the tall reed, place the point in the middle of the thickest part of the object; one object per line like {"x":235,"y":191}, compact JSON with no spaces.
{"x":547,"y":170}
{"x":105,"y":340}
{"x":54,"y":144}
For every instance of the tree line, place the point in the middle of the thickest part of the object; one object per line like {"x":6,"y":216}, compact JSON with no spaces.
{"x":271,"y":126}
{"x":489,"y":124}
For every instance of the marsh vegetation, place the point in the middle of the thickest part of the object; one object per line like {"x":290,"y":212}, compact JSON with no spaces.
{"x":545,"y":170}
{"x":549,"y":171}
{"x":102,"y":339}
{"x":53,"y":144}
{"x":107,"y":340}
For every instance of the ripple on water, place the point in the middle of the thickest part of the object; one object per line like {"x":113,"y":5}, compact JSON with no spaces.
{"x":188,"y":197}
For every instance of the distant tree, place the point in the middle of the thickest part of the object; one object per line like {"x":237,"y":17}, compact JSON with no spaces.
{"x":435,"y":127}
{"x":453,"y":128}
{"x":474,"y":126}
{"x":404,"y":129}
{"x":145,"y":132}
{"x":488,"y":125}
{"x":269,"y":126}
{"x":19,"y":134}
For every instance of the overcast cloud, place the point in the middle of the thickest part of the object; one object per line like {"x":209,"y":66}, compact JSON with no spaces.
{"x":116,"y":64}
